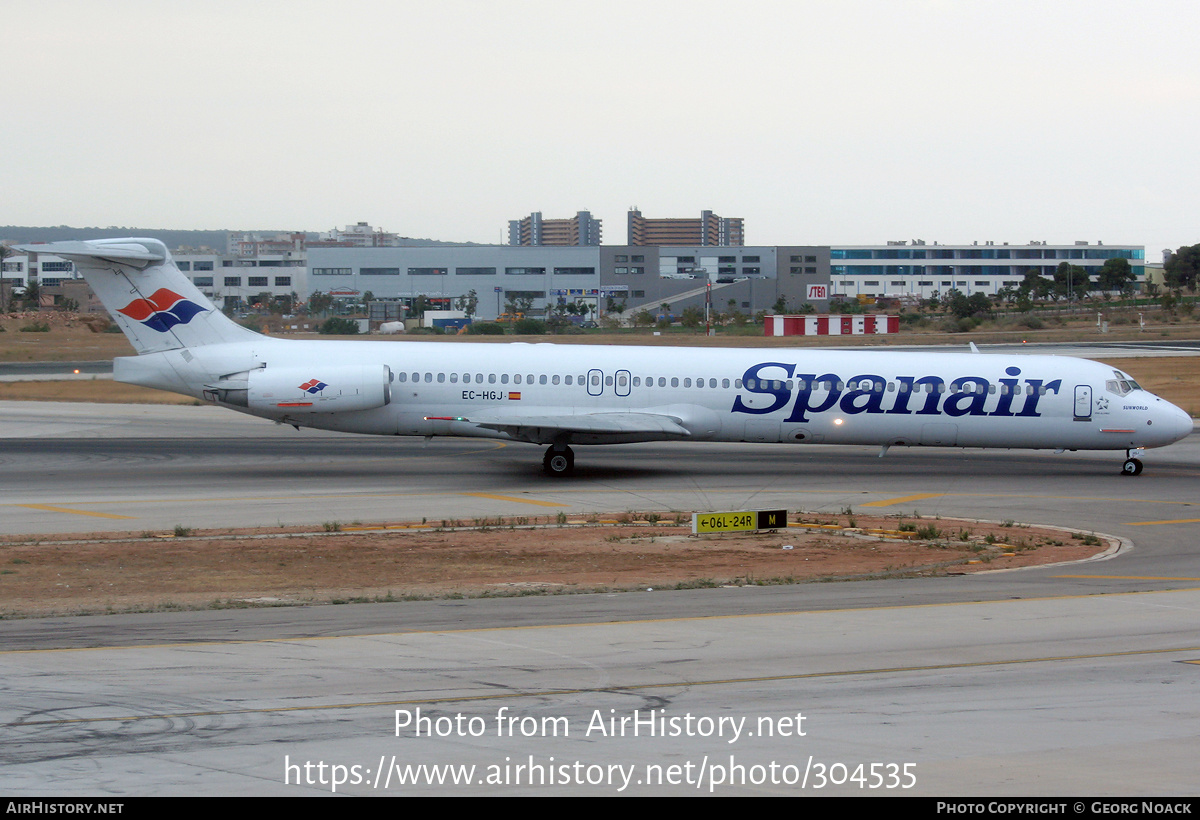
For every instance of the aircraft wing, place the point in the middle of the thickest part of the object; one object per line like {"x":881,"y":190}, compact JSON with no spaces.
{"x":543,"y":427}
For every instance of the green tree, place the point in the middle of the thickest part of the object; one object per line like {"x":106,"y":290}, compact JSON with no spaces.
{"x":691,"y":317}
{"x":1116,"y":275}
{"x":33,"y":294}
{"x":319,"y":303}
{"x":1183,"y":268}
{"x":468,"y":304}
{"x":338,"y":326}
{"x":518,"y":304}
{"x":419,"y":305}
{"x":1036,"y":286}
{"x":529,"y":327}
{"x":642,"y":318}
{"x":1071,"y":281}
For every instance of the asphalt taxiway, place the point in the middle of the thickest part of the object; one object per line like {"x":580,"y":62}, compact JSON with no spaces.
{"x":1078,"y":679}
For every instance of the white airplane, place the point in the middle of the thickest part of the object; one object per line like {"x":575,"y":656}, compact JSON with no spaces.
{"x":562,"y":395}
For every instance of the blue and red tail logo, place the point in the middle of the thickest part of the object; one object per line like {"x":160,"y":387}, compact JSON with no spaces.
{"x":162,"y":311}
{"x":313,"y":386}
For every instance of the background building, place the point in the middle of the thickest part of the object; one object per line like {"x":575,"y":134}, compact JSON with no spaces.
{"x":632,"y":277}
{"x":533,"y":230}
{"x":920,"y":270}
{"x":709,"y":229}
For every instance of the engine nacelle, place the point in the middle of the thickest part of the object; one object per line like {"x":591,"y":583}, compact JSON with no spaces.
{"x":341,"y":389}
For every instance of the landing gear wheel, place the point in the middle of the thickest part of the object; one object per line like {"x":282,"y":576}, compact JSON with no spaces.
{"x":559,"y":462}
{"x":1132,"y":466}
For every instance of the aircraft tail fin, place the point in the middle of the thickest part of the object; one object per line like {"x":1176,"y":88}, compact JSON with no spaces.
{"x":156,"y":306}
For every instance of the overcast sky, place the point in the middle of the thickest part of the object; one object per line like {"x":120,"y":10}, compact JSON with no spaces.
{"x":846,"y":121}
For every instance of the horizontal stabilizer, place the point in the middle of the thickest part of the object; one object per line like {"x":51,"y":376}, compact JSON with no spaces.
{"x":124,"y":251}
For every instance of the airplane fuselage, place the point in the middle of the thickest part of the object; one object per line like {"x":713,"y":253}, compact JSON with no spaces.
{"x":760,"y":395}
{"x":559,"y":395}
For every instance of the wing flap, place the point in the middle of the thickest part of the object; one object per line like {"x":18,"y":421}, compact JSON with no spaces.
{"x":598,"y":424}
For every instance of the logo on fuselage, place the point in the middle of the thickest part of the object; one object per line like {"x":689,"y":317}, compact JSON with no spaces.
{"x":162,"y":310}
{"x":776,"y":386}
{"x":313,"y":386}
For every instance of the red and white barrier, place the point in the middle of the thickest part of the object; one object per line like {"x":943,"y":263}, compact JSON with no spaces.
{"x":830,"y":325}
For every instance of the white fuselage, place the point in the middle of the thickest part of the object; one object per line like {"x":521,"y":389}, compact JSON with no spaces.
{"x":525,"y":391}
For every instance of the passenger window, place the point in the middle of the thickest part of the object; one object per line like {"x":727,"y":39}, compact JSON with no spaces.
{"x":675,"y":382}
{"x":568,"y":379}
{"x":608,"y":381}
{"x":687,"y":382}
{"x":662,"y":381}
{"x":554,"y":380}
{"x":503,"y":378}
{"x":725,"y":383}
{"x":491,"y":378}
{"x":403,"y":377}
{"x":542,"y":379}
{"x":428,"y":378}
{"x":453,"y":378}
{"x":441,"y":378}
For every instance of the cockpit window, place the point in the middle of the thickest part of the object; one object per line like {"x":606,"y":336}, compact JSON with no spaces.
{"x":1121,"y":387}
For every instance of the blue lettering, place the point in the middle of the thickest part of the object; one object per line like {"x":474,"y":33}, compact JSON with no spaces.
{"x":804,"y":392}
{"x":1008,"y":388}
{"x":969,"y":402}
{"x":903,"y":390}
{"x":869,"y":387}
{"x":934,"y":388}
{"x":1035,"y":394}
{"x":756,"y":384}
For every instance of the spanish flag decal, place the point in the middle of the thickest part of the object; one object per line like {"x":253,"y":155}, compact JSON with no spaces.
{"x":514,"y":396}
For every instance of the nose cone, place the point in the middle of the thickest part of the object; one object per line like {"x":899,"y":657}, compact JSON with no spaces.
{"x":1179,"y":422}
{"x":1167,"y":423}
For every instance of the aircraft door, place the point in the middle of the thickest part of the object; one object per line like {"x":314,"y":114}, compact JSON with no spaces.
{"x":1083,"y":402}
{"x":622,"y":383}
{"x":595,"y":382}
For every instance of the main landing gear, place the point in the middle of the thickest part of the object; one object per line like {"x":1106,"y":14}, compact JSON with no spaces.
{"x":559,"y":461}
{"x":1133,"y":464}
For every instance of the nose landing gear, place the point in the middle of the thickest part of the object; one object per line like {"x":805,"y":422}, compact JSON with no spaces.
{"x":1133,"y":464}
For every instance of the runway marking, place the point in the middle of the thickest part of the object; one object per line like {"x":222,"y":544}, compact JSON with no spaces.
{"x":1168,"y":521}
{"x":636,"y":687}
{"x":636,"y":621}
{"x":518,"y":500}
{"x":904,"y":499}
{"x":1133,"y":577}
{"x":48,"y":508}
